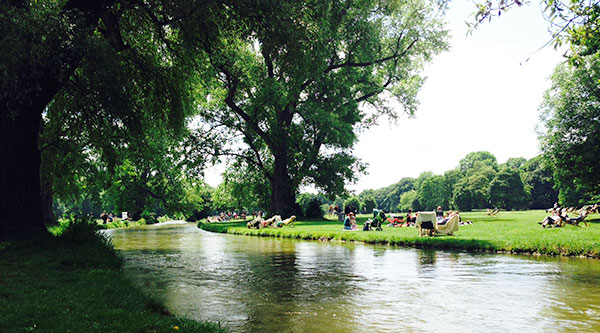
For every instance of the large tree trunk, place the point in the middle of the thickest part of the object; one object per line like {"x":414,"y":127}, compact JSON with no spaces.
{"x":20,"y":116}
{"x":20,"y":206}
{"x":283,"y":192}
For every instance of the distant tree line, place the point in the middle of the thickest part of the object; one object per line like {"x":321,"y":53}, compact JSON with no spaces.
{"x":477,"y":182}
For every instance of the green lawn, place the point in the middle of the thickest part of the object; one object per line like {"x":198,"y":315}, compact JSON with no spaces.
{"x":515,"y":232}
{"x":74,"y":283}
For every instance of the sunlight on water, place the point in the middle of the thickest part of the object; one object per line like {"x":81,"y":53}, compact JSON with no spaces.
{"x":267,"y":284}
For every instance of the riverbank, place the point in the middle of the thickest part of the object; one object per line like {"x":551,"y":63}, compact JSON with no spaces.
{"x":74,"y":283}
{"x":511,"y":232}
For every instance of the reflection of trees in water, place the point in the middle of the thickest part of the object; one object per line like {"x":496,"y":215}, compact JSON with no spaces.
{"x":426,"y":260}
{"x":292,"y":286}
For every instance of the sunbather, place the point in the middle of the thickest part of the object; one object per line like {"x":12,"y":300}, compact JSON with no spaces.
{"x":576,"y":220}
{"x":557,"y":219}
{"x":289,"y":222}
{"x":256,"y":222}
{"x":396,"y":221}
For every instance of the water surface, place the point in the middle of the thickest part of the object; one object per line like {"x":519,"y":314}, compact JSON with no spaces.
{"x":267,"y":284}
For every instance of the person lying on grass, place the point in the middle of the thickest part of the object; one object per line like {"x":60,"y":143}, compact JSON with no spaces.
{"x":255,"y":223}
{"x":273,"y":222}
{"x":279,"y":223}
{"x":396,"y":221}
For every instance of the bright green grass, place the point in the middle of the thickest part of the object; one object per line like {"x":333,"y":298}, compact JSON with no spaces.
{"x":74,"y":284}
{"x":515,"y":232}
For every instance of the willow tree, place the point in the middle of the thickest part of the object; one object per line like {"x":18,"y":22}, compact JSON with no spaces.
{"x":306,"y":76}
{"x":116,"y":66}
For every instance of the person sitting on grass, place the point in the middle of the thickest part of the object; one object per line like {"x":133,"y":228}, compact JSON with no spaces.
{"x":104,"y":217}
{"x":460,"y":221}
{"x":352,"y":221}
{"x":439,"y":213}
{"x":410,"y":218}
{"x":347,"y":223}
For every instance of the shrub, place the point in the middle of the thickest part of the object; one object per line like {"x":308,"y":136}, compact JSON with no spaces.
{"x":164,"y":218}
{"x":314,"y":208}
{"x":149,"y":217}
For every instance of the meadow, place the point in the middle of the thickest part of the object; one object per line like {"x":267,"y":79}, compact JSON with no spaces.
{"x":509,"y":231}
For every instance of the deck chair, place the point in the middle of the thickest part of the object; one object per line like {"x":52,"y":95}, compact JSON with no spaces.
{"x":450,"y":227}
{"x":494,"y":212}
{"x":576,"y":220}
{"x":426,"y":222}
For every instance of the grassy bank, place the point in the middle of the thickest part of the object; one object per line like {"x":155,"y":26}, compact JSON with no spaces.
{"x":73,"y":283}
{"x":514,"y":232}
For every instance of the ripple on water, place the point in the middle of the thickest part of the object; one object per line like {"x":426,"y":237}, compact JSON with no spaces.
{"x":264,"y":284}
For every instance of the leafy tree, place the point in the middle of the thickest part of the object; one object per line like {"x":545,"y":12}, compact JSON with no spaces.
{"x":483,"y":157}
{"x":246,"y":187}
{"x":575,"y":22}
{"x":126,"y":57}
{"x":507,"y":190}
{"x":369,"y":203}
{"x":570,"y":137}
{"x":538,"y":180}
{"x":422,"y":177}
{"x":433,"y":192}
{"x":310,"y":204}
{"x":388,"y":197}
{"x":515,"y":162}
{"x":197,"y":201}
{"x":294,"y":74}
{"x":314,"y":208}
{"x":452,"y":177}
{"x":355,"y":202}
{"x":409,"y":200}
{"x":471,"y":192}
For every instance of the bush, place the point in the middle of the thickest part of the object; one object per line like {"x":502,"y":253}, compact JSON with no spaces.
{"x":314,"y":208}
{"x":150,"y":218}
{"x":164,"y":218}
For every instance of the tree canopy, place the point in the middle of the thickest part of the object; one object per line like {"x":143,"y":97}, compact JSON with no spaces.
{"x":570,"y":132}
{"x":572,"y":22}
{"x":293,"y":78}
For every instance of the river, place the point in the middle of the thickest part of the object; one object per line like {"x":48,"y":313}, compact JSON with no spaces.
{"x":253,"y":284}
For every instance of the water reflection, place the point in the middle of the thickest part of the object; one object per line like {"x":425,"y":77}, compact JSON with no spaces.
{"x":266,"y":284}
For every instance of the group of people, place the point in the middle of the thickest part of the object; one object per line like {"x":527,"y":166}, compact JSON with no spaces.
{"x":226,"y":216}
{"x":274,"y":222}
{"x":106,"y":217}
{"x":411,"y":219}
{"x":401,"y":221}
{"x":560,"y":217}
